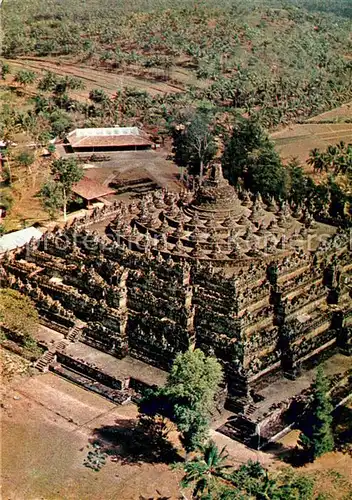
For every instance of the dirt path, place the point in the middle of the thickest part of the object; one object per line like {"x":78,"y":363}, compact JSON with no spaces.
{"x":94,"y":78}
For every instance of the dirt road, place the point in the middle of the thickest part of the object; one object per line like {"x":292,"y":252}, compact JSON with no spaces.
{"x":94,"y":78}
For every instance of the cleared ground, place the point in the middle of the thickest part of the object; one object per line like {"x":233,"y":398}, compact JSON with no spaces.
{"x":298,"y":140}
{"x":343,"y":113}
{"x":100,"y":78}
{"x":48,"y":425}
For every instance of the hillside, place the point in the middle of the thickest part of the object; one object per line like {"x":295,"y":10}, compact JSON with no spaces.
{"x":281,"y":60}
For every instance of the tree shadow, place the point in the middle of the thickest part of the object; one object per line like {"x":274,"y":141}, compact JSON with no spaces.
{"x":294,"y":456}
{"x":135,"y":442}
{"x":343,"y":429}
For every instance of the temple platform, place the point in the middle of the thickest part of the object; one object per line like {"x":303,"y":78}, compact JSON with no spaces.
{"x":283,"y":402}
{"x":120,"y":369}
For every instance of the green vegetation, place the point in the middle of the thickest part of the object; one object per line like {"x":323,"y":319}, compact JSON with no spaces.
{"x":17,"y":312}
{"x":211,"y":477}
{"x":18,"y":319}
{"x":317,"y":437}
{"x":57,"y":192}
{"x":251,"y":157}
{"x":193,"y":139}
{"x":24,"y":77}
{"x":281,"y":61}
{"x":26,"y":158}
{"x":4,"y":70}
{"x":337,"y":159}
{"x":188,"y":399}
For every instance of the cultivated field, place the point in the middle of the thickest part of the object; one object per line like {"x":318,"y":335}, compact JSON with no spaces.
{"x":297,"y":141}
{"x":110,"y":81}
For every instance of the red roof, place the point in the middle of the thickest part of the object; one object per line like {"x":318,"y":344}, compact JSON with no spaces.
{"x":90,"y":190}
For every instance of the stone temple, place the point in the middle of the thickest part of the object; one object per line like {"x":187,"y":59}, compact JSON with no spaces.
{"x":264,"y":288}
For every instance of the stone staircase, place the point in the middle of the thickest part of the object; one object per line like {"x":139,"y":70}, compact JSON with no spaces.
{"x":44,"y":361}
{"x":75,"y":334}
{"x":250,"y":409}
{"x":60,"y":346}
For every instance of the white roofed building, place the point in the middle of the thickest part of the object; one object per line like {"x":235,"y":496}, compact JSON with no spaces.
{"x":19,"y":238}
{"x":108,"y":139}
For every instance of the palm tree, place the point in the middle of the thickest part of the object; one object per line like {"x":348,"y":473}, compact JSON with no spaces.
{"x":205,"y":470}
{"x":317,"y":160}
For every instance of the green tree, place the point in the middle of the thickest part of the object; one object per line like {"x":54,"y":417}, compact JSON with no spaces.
{"x":57,"y":193}
{"x":194,"y":140}
{"x":4,"y":70}
{"x":98,"y":96}
{"x":26,"y":158}
{"x":204,"y":470}
{"x":192,"y":385}
{"x":317,"y":437}
{"x":48,"y":82}
{"x":188,"y":398}
{"x":298,"y":186}
{"x":212,"y":477}
{"x":51,"y":195}
{"x":25,"y":77}
{"x":250,"y":155}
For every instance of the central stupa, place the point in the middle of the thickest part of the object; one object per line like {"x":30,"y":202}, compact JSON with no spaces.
{"x":214,"y":222}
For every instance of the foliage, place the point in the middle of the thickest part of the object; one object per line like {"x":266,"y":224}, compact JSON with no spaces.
{"x":57,"y":192}
{"x":250,"y":156}
{"x":25,"y":158}
{"x":281,"y":61}
{"x":211,"y":476}
{"x":6,"y":199}
{"x":25,"y":77}
{"x":317,"y":438}
{"x":336,"y":158}
{"x":204,"y":470}
{"x":95,"y":459}
{"x":188,"y":397}
{"x":4,"y":70}
{"x":51,"y":196}
{"x":193,"y":139}
{"x":17,"y":312}
{"x":98,"y":95}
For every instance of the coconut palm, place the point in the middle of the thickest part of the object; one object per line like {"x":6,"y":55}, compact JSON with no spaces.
{"x":317,"y":160}
{"x":204,"y":470}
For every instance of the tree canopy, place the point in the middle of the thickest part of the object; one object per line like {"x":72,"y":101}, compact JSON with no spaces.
{"x":188,"y":397}
{"x":194,"y":139}
{"x":251,"y":157}
{"x":57,"y":192}
{"x":212,"y":476}
{"x":317,"y":437}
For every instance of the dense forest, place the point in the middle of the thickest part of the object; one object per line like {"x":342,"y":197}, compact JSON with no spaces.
{"x":282,"y":61}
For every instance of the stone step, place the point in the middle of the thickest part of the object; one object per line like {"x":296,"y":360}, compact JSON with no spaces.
{"x":44,"y":361}
{"x":114,"y":395}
